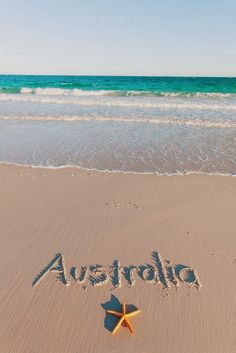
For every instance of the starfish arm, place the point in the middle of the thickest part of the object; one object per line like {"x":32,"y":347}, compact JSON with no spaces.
{"x":116,"y":313}
{"x":128,"y":324}
{"x":133,"y":313}
{"x":123,"y":308}
{"x":116,"y":328}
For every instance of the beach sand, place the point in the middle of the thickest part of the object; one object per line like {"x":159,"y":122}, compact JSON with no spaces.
{"x":90,"y":218}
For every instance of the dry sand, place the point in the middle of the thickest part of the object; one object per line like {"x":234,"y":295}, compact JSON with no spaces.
{"x":96,"y":218}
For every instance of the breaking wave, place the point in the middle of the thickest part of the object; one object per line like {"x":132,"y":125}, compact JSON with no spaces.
{"x":51,"y":91}
{"x":98,"y":99}
{"x":80,"y":92}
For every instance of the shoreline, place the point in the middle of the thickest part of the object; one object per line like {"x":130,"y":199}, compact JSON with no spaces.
{"x":106,"y":171}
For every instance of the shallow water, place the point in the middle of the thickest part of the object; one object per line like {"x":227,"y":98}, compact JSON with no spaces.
{"x":151,"y":128}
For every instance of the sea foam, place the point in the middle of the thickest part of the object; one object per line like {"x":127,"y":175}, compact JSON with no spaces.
{"x":122,"y":93}
{"x":97,"y":98}
{"x":157,"y":121}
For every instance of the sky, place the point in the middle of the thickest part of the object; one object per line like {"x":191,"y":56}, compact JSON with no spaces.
{"x":122,"y":37}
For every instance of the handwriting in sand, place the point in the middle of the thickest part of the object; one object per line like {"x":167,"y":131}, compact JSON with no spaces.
{"x":159,"y":271}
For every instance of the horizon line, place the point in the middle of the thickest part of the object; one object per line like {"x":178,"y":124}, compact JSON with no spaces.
{"x":115,"y":75}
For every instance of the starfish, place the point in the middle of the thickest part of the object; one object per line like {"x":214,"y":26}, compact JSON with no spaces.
{"x":124,"y":317}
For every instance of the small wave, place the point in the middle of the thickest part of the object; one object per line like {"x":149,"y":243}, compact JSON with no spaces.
{"x":122,"y":93}
{"x":179,"y":94}
{"x":157,"y":121}
{"x":9,"y":90}
{"x":101,"y":101}
{"x":65,"y":92}
{"x":26,"y":90}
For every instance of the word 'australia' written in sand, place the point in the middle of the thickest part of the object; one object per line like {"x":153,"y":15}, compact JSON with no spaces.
{"x":159,"y":271}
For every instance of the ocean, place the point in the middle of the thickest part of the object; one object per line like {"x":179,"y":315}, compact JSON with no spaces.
{"x":162,"y":125}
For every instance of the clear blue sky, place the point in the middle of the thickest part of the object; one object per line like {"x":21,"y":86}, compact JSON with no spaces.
{"x":122,"y":37}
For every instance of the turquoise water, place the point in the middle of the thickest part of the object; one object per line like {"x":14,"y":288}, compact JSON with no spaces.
{"x":124,"y":85}
{"x":164,"y":125}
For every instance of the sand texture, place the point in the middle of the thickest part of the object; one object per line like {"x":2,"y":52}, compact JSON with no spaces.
{"x":75,"y":243}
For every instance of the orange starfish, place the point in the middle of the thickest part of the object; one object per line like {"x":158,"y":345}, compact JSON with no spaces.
{"x":124,"y":317}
